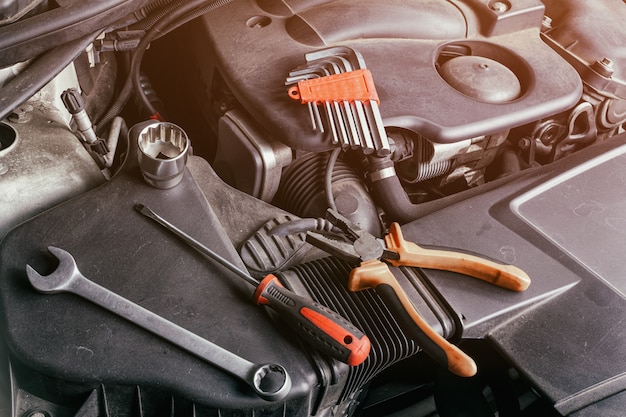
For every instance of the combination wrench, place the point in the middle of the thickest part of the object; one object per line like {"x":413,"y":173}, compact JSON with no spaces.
{"x":270,"y":381}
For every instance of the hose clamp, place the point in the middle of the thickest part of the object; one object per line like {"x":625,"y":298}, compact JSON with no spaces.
{"x":382,"y":174}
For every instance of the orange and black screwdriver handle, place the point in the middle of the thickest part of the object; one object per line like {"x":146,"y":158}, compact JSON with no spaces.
{"x":376,"y":274}
{"x":410,"y":254}
{"x":318,"y":325}
{"x":326,"y":330}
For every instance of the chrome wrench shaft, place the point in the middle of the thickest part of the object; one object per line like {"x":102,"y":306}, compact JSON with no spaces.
{"x":270,"y":381}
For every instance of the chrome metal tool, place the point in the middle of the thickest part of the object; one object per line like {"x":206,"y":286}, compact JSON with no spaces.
{"x":321,"y":327}
{"x":337,"y":80}
{"x":270,"y":381}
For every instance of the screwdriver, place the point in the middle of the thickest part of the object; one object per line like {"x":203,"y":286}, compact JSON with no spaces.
{"x":323,"y":328}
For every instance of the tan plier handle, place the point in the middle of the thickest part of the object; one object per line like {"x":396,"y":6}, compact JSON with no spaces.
{"x":369,"y":253}
{"x":505,"y":276}
{"x":376,"y":274}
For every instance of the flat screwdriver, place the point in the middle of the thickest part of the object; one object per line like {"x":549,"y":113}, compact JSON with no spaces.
{"x":323,"y":328}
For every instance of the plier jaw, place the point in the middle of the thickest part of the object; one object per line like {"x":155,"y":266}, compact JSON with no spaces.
{"x":354,"y":245}
{"x":334,"y":246}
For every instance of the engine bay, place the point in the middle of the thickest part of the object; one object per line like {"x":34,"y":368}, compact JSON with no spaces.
{"x":281,"y":135}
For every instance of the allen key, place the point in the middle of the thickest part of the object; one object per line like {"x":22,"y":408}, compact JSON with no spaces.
{"x":353,"y":116}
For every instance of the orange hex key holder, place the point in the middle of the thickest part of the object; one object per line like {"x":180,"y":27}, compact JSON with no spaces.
{"x":369,"y":252}
{"x":350,"y":102}
{"x":357,"y":85}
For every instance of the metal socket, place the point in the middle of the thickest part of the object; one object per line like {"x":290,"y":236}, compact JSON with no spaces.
{"x":163,"y":149}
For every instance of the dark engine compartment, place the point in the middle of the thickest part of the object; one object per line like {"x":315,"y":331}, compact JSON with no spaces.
{"x":500,"y":133}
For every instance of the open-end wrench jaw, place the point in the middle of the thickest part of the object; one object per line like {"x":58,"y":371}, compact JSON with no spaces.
{"x":270,"y":381}
{"x":60,"y":279}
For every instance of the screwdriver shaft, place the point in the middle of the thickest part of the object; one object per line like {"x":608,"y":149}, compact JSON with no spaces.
{"x":203,"y":249}
{"x":318,"y":325}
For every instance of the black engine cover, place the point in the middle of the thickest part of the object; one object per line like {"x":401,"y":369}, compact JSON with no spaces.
{"x":63,"y":347}
{"x":252,"y":46}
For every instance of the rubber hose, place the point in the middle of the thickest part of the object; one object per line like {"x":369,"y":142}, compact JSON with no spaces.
{"x":188,"y":11}
{"x":30,"y":37}
{"x":133,"y":80}
{"x":328,"y":178}
{"x":391,"y":197}
{"x":118,"y":129}
{"x":296,"y":226}
{"x":117,"y":106}
{"x":41,"y":71}
{"x":154,"y":13}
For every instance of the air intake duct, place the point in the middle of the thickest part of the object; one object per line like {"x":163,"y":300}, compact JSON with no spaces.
{"x":325,"y":279}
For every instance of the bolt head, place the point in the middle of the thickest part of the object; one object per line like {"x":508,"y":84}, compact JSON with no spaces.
{"x":524,"y":143}
{"x":604,"y":67}
{"x":499,"y":6}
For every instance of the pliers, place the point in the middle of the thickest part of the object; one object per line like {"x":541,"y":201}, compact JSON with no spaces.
{"x":368,"y":252}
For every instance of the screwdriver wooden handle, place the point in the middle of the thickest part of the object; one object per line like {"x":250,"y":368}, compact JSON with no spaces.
{"x":375,"y":274}
{"x":505,"y":276}
{"x":326,"y":330}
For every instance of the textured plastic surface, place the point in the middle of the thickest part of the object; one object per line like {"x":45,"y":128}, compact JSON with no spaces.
{"x":578,"y":211}
{"x":571,"y":21}
{"x":70,"y":339}
{"x":403,"y":63}
{"x":566,"y":332}
{"x":246,"y":160}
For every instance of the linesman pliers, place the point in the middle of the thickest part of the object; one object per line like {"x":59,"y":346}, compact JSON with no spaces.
{"x":369,"y":252}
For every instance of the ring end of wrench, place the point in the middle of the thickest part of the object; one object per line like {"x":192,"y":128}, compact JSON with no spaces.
{"x":271,"y":382}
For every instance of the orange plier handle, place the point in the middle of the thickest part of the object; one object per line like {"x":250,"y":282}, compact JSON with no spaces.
{"x":410,"y":254}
